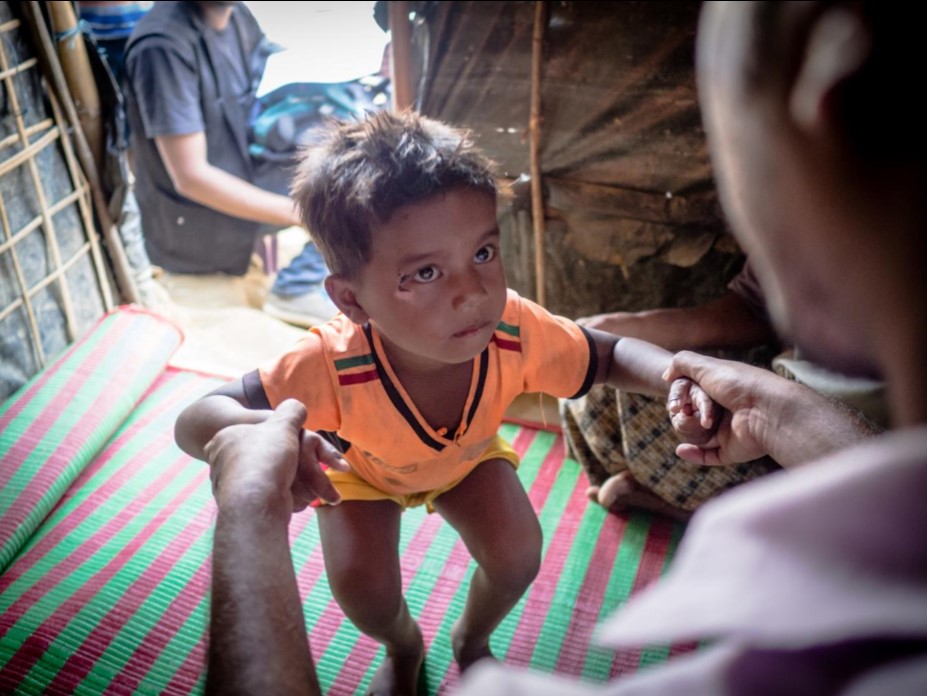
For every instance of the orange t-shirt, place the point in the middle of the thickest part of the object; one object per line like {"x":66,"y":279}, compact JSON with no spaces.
{"x":341,"y":373}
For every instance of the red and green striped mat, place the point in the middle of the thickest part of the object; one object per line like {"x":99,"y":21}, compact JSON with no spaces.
{"x":109,"y":594}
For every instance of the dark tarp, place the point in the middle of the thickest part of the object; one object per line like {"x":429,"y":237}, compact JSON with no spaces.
{"x":632,"y":215}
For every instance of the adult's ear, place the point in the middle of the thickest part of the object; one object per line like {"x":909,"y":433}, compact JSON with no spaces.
{"x":341,"y":292}
{"x":838,"y":46}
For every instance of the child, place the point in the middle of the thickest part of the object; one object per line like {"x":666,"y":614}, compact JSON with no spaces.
{"x":413,"y":378}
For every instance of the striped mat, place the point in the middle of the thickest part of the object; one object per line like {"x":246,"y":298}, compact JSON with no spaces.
{"x":55,"y":424}
{"x":110,"y":592}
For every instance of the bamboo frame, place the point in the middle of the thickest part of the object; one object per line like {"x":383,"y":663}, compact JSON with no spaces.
{"x":534,"y":130}
{"x":58,"y":85}
{"x":30,"y":141}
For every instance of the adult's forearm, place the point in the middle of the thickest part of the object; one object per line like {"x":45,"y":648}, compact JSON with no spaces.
{"x":219,"y":190}
{"x":187,"y":163}
{"x":726,"y":322}
{"x":802,"y":425}
{"x":258,"y":642}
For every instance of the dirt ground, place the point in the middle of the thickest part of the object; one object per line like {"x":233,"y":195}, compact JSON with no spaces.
{"x":227,"y":334}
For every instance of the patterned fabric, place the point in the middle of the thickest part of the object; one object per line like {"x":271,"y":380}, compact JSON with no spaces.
{"x":610,"y":431}
{"x":112,"y":20}
{"x":54,"y":425}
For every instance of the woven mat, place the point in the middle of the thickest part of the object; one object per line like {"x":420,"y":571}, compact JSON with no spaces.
{"x":110,"y":593}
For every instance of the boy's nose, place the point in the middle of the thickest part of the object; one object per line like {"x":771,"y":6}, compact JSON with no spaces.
{"x":468,"y":289}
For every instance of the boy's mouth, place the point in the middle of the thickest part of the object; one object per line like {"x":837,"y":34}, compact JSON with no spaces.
{"x":472,"y":330}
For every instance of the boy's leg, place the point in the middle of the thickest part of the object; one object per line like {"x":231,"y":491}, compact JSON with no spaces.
{"x":491,"y":511}
{"x":360,"y":543}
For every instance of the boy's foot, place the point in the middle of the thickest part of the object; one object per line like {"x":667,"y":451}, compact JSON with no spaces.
{"x":398,"y":675}
{"x":467,"y":655}
{"x":622,"y":492}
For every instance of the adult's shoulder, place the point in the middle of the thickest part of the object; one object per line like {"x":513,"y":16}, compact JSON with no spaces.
{"x":168,"y":25}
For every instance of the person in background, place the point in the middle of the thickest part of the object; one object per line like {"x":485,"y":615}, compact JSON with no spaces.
{"x":111,"y":23}
{"x":192,"y":70}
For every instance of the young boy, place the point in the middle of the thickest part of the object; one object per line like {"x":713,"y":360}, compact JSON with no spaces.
{"x":413,"y":378}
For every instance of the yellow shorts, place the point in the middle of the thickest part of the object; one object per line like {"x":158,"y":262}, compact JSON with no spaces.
{"x":353,"y":487}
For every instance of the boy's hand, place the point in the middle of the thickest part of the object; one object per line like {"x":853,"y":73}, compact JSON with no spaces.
{"x":273,"y":463}
{"x":694,"y":414}
{"x":737,"y":387}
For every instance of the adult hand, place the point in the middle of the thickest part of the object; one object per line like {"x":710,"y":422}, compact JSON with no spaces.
{"x":749,"y":396}
{"x":275,"y":463}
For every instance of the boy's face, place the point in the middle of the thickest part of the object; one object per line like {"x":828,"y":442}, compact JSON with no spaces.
{"x":435,"y":286}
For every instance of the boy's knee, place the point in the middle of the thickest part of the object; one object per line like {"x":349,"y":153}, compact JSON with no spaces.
{"x":521,"y":571}
{"x":516,"y":565}
{"x":374,"y":590}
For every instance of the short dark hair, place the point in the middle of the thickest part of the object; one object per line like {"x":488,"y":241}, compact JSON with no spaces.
{"x":357,"y":174}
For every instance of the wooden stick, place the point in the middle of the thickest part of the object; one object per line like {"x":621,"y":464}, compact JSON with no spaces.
{"x":400,"y":54}
{"x":75,"y":64}
{"x":534,"y":130}
{"x":55,"y":77}
{"x":86,"y":213}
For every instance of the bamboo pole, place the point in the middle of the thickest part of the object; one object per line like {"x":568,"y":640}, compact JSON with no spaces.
{"x":400,"y":55}
{"x":72,"y":55}
{"x":55,"y":77}
{"x":82,"y":187}
{"x":534,"y":130}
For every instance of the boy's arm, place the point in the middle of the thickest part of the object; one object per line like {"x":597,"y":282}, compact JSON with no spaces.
{"x":230,"y":404}
{"x":630,"y":364}
{"x":636,"y":366}
{"x":201,"y":420}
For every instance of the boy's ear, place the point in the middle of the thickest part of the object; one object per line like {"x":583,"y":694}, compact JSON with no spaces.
{"x":341,"y":292}
{"x":838,"y":46}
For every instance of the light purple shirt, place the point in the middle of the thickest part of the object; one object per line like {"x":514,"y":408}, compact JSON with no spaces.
{"x":811,"y":581}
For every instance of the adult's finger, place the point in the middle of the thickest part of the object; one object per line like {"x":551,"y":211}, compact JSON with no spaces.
{"x":699,"y":455}
{"x":687,"y":363}
{"x":302,"y":496}
{"x":291,"y":412}
{"x":331,"y":456}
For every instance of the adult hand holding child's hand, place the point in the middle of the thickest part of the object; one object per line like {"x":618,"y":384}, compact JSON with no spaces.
{"x":695,"y":416}
{"x":274,"y":464}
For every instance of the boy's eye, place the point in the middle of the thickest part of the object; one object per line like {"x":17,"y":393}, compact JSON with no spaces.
{"x":485,"y":254}
{"x":427,"y":274}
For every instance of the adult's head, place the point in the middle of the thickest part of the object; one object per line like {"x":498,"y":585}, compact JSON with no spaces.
{"x":811,"y":110}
